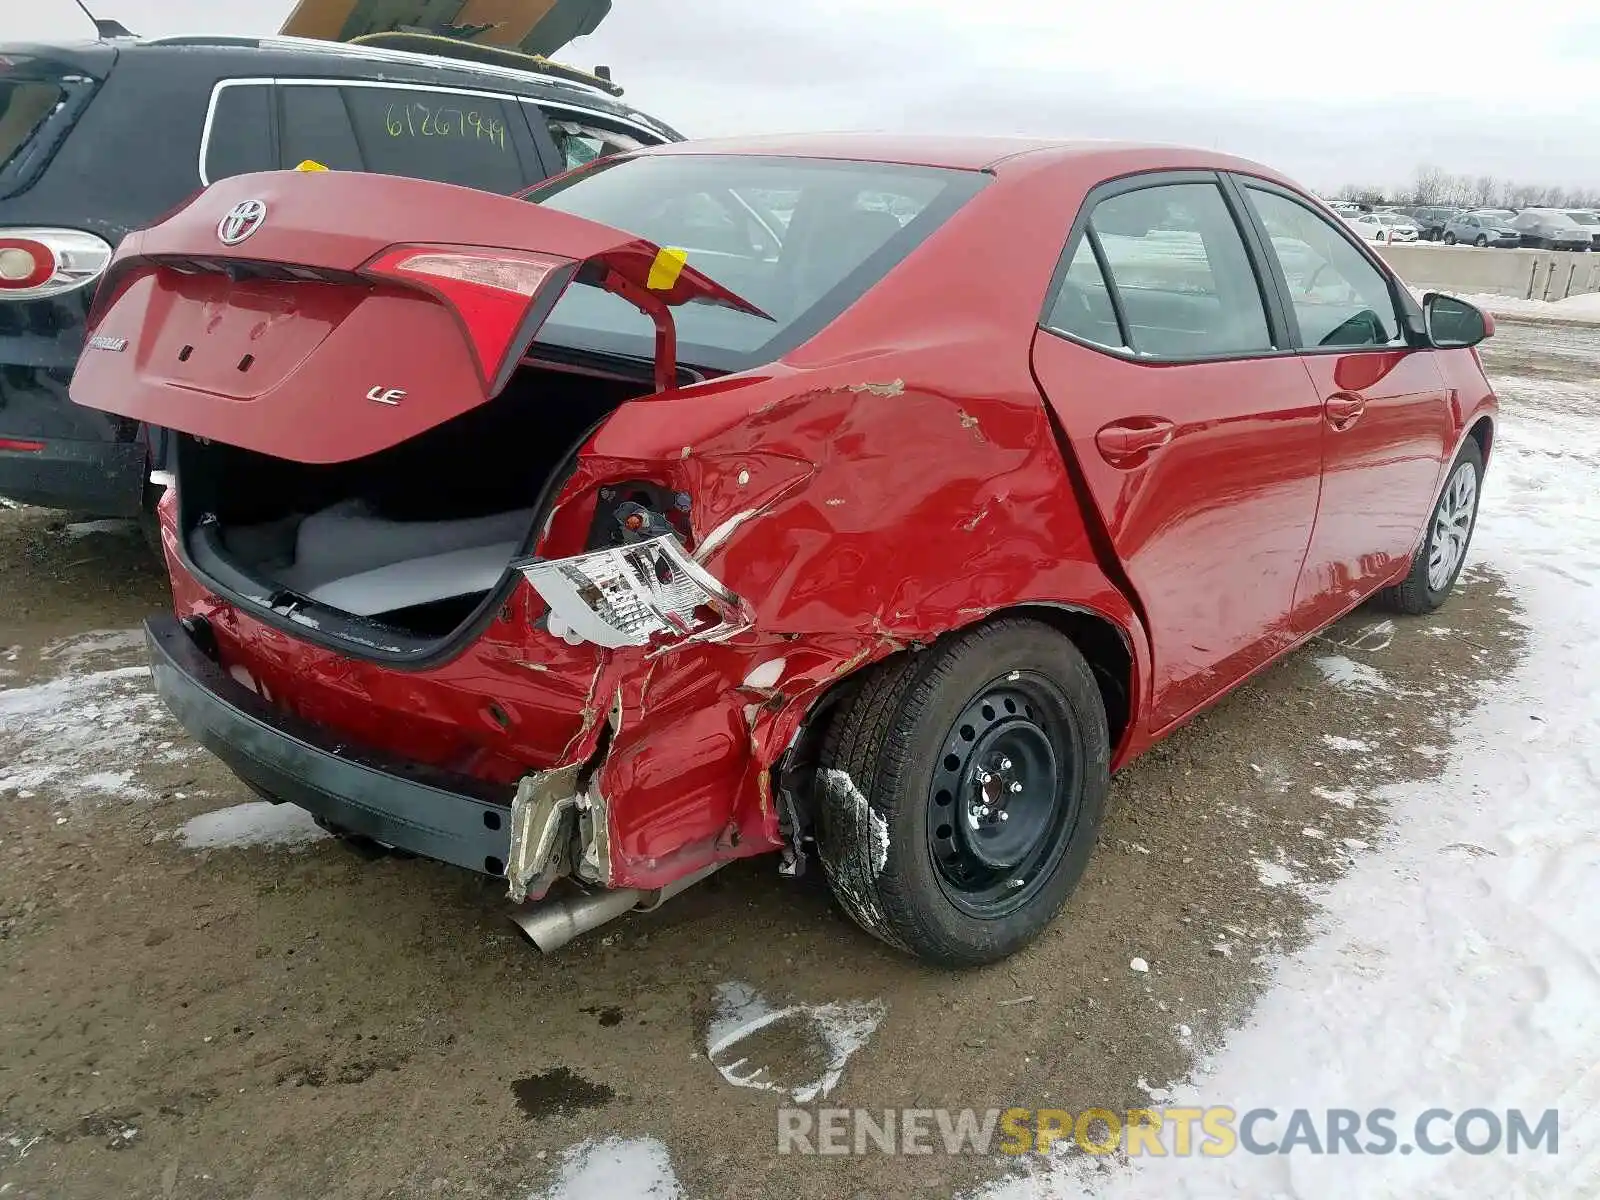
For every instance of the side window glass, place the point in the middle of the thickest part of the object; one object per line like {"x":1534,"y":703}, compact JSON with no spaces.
{"x":1181,"y":272}
{"x":1340,"y":298}
{"x":1083,"y":305}
{"x":241,"y":132}
{"x":313,"y":123}
{"x":580,"y":142}
{"x":447,"y":137}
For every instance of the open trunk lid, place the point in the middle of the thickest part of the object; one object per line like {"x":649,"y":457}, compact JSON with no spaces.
{"x":323,"y":316}
{"x":530,"y":26}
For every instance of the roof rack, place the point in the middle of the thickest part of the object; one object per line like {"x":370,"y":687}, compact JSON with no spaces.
{"x":441,"y":46}
{"x":557,"y":74}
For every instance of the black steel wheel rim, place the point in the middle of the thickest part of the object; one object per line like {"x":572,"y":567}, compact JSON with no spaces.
{"x":1005,"y":795}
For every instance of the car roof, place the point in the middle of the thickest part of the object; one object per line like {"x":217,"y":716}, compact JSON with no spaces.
{"x":294,"y":55}
{"x":969,"y":152}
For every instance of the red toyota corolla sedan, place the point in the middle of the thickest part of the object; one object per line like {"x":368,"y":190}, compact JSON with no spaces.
{"x":862,"y":499}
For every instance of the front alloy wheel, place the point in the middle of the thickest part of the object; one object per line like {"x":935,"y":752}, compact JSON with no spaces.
{"x":1452,"y":526}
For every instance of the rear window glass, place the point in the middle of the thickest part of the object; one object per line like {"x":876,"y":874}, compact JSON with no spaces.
{"x":801,"y":239}
{"x":239,"y":136}
{"x":25,"y":104}
{"x":447,"y":137}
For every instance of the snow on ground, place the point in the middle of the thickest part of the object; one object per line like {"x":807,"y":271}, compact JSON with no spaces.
{"x":86,"y":732}
{"x":1347,"y":672}
{"x":115,"y":526}
{"x":836,"y":1031}
{"x":615,"y":1169}
{"x":71,"y":730}
{"x":1582,"y":309}
{"x":1457,"y":966}
{"x":254,"y":824}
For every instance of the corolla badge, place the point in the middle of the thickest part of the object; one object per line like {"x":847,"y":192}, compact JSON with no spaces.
{"x":243,"y":219}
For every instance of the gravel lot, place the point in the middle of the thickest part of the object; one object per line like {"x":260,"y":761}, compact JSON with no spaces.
{"x":181,"y":1017}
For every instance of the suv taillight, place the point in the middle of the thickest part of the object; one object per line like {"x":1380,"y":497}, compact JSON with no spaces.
{"x":36,"y":264}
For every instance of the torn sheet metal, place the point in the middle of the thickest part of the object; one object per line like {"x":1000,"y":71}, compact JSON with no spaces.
{"x":538,"y":815}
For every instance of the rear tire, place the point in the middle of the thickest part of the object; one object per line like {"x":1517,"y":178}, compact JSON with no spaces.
{"x":1449,"y":239}
{"x":920,"y":763}
{"x":1439,"y":559}
{"x":1481,"y":241}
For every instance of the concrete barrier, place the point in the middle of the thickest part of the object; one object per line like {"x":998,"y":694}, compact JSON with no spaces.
{"x":1526,"y":274}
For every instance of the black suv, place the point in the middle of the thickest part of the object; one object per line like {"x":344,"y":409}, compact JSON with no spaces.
{"x":100,"y":138}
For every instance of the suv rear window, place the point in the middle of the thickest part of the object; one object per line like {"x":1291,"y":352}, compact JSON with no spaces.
{"x":448,"y":137}
{"x":31,"y":92}
{"x":846,"y":225}
{"x":24,"y":104}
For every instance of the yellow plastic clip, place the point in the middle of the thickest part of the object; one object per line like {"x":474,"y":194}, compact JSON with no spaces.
{"x":667,"y":267}
{"x":311,"y":165}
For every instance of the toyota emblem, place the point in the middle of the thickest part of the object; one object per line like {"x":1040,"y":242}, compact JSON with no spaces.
{"x":242,"y":220}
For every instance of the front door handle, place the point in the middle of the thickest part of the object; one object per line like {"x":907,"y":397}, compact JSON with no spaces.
{"x":1128,"y":443}
{"x":1343,"y":409}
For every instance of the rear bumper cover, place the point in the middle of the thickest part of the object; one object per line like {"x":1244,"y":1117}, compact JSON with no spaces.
{"x":402,"y":804}
{"x":103,"y":479}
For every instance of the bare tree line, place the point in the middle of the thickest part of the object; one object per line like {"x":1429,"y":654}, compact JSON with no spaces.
{"x":1434,"y":186}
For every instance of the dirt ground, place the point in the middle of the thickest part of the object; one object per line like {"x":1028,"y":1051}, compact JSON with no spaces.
{"x":308,"y":1022}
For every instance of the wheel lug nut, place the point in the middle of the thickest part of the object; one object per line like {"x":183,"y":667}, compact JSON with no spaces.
{"x":1005,"y":764}
{"x":1005,"y":816}
{"x":1016,"y":787}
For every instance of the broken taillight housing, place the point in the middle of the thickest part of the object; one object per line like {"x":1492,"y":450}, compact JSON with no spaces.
{"x":633,"y":595}
{"x":499,"y":296}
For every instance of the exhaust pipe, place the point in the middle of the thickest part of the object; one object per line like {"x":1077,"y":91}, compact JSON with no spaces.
{"x":551,"y":924}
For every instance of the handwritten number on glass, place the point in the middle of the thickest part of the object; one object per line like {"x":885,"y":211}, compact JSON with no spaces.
{"x":419,"y":120}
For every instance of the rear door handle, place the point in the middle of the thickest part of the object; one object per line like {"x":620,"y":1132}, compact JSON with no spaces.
{"x":1128,"y":443}
{"x":1343,"y":409}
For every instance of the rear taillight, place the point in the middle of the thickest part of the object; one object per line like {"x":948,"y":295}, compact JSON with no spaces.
{"x":648,"y":592}
{"x":36,"y":264}
{"x":499,"y":296}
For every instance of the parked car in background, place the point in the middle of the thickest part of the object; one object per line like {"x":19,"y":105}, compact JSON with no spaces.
{"x":1590,"y":220}
{"x":1484,"y":227}
{"x":1551,"y":229}
{"x":614,"y":560}
{"x":1384,"y":227}
{"x":1431,"y":221}
{"x":100,"y":138}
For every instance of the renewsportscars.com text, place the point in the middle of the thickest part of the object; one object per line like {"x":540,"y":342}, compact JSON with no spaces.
{"x":1211,"y":1132}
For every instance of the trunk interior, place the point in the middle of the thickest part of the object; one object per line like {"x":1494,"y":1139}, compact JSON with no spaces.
{"x":414,"y":538}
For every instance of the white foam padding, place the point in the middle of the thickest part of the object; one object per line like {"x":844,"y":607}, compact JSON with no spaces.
{"x":417,"y":581}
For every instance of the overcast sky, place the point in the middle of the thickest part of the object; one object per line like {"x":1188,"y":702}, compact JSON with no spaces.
{"x":1331,"y":91}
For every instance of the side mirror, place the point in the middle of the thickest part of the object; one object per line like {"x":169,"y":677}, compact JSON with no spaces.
{"x":1453,"y":324}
